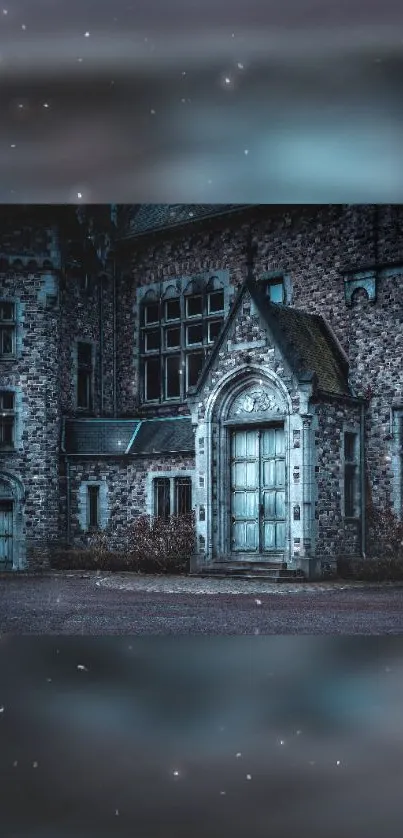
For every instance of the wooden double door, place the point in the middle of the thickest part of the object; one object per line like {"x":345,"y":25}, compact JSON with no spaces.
{"x":6,"y":534}
{"x":258,"y":493}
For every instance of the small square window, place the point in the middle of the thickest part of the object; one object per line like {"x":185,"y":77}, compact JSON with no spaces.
{"x":7,"y":419}
{"x":172,"y":337}
{"x":194,"y":306}
{"x":194,"y":334}
{"x":214,"y":328}
{"x":173,"y":376}
{"x":6,"y":432}
{"x":84,"y":390}
{"x":276,"y":292}
{"x":152,"y":313}
{"x":349,"y":447}
{"x":194,"y":364}
{"x":84,"y":354}
{"x":6,"y":400}
{"x":7,"y":329}
{"x":152,"y":340}
{"x":172,"y":309}
{"x":215,"y":301}
{"x":152,"y":379}
{"x":6,"y":311}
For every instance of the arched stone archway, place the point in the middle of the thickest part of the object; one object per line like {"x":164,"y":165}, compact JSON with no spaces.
{"x":12,"y":544}
{"x":250,"y":465}
{"x":254,"y":471}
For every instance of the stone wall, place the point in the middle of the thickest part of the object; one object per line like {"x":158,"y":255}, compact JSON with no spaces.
{"x":34,"y":377}
{"x":127,"y":491}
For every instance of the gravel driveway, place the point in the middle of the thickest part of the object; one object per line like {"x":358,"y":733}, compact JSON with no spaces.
{"x":139,"y":605}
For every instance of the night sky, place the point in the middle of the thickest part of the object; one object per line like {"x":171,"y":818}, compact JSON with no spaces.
{"x":260,"y":737}
{"x":201,"y":100}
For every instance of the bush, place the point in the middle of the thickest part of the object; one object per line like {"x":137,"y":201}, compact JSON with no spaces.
{"x":151,"y":545}
{"x":158,"y":545}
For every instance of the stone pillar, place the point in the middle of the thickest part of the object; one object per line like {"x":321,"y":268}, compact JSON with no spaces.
{"x":307,"y":485}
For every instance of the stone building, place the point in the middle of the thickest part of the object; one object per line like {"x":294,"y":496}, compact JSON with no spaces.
{"x":241,"y":361}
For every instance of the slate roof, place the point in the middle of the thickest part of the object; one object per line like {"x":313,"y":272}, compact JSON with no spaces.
{"x":164,"y":436}
{"x":314,"y":348}
{"x":98,"y":436}
{"x":101,"y":437}
{"x":305,"y":340}
{"x":147,"y":218}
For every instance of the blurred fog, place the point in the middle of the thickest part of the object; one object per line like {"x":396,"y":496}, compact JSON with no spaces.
{"x":251,"y":736}
{"x":201,"y":101}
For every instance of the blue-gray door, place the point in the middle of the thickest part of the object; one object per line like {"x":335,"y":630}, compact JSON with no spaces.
{"x":258,"y":492}
{"x":6,"y":534}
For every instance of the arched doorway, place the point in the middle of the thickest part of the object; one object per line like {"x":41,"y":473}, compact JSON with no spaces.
{"x":250,"y":466}
{"x":11,"y":552}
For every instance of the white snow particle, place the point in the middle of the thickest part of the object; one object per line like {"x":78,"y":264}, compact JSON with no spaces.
{"x":81,"y":666}
{"x":249,"y":776}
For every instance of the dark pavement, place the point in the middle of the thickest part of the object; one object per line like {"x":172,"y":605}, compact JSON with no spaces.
{"x":77,"y":605}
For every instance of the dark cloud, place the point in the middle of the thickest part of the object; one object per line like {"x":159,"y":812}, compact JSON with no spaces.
{"x":194,"y":101}
{"x":317,"y":725}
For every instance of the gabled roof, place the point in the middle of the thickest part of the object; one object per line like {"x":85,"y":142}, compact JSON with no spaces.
{"x":135,"y":437}
{"x":149,"y":218}
{"x":304,"y":339}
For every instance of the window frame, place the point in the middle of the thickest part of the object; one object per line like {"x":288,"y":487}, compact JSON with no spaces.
{"x":165,"y":484}
{"x":184,"y":323}
{"x":171,"y":485}
{"x":93,"y":490}
{"x":8,"y":325}
{"x":7,"y":419}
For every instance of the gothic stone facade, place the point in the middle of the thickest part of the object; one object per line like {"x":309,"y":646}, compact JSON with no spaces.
{"x":150,"y":362}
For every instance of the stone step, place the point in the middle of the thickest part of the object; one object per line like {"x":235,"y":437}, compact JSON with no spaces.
{"x":276,"y":572}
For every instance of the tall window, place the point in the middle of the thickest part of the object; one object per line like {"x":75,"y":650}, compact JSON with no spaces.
{"x":7,"y":329}
{"x":7,"y":420}
{"x":162,"y":492}
{"x":178,"y":331}
{"x":93,"y":507}
{"x":351,"y":475}
{"x":84,"y":376}
{"x":183,"y":495}
{"x":172,"y":496}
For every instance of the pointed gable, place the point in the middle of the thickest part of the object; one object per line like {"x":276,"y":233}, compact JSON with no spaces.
{"x":304,"y":340}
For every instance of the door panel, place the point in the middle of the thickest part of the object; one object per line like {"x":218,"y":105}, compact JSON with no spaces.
{"x":258,"y":491}
{"x":6,"y":533}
